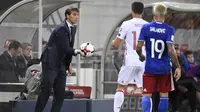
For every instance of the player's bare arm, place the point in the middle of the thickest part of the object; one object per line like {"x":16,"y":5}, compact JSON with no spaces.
{"x":174,"y":58}
{"x":116,"y":42}
{"x":173,"y":55}
{"x":139,"y":50}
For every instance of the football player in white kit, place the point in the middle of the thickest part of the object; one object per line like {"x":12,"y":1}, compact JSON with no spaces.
{"x":132,"y":69}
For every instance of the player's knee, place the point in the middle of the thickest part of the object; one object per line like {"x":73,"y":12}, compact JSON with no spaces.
{"x":147,"y":95}
{"x":120,"y":88}
{"x":163,"y":94}
{"x":146,"y":104}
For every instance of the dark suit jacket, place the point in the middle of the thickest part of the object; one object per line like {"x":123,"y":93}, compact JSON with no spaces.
{"x":59,"y":49}
{"x":8,"y":68}
{"x":21,"y":65}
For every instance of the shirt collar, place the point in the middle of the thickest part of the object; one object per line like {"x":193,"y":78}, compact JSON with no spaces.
{"x":69,"y":24}
{"x":137,"y":18}
{"x":9,"y":54}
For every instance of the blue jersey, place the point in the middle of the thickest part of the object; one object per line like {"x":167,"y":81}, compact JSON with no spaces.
{"x":156,"y":35}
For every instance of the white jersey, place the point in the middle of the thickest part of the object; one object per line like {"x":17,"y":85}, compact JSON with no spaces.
{"x":130,"y":31}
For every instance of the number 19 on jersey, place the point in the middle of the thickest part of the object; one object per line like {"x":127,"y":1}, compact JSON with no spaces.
{"x":155,"y":49}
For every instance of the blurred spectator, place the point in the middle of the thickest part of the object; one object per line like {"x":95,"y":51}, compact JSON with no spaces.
{"x":197,"y":22}
{"x":187,"y":86}
{"x":27,"y":51}
{"x":190,"y":56}
{"x":8,"y":63}
{"x":189,"y":24}
{"x":184,"y":47}
{"x":174,"y":96}
{"x":44,"y":43}
{"x":180,"y":59}
{"x":192,"y":71}
{"x":190,"y":66}
{"x":23,"y":59}
{"x":178,"y":52}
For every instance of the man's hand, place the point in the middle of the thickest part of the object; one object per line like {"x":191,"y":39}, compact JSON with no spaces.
{"x":177,"y":74}
{"x":142,"y":58}
{"x":195,"y":79}
{"x":139,"y":50}
{"x":70,"y":70}
{"x":115,"y":43}
{"x":78,"y":51}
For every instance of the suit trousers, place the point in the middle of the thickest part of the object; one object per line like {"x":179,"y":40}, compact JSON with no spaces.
{"x":52,"y":78}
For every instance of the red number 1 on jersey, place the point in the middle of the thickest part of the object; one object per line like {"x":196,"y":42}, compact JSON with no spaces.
{"x":134,"y":40}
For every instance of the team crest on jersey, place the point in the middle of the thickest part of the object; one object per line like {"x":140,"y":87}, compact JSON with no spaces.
{"x":119,"y":34}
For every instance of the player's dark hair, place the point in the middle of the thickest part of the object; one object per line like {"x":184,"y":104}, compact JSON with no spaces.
{"x":68,"y":11}
{"x":188,"y":52}
{"x":15,"y":45}
{"x":138,"y":7}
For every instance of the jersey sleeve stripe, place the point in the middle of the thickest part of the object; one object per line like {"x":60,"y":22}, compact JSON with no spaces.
{"x":120,"y":37}
{"x":141,"y":40}
{"x":169,"y":42}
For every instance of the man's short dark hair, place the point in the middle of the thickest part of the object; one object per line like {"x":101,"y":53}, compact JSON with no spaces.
{"x":15,"y":45}
{"x":138,"y":7}
{"x":44,"y":42}
{"x":188,"y":52}
{"x":68,"y":11}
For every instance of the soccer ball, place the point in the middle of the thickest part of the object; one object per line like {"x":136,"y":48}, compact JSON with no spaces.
{"x":88,"y":49}
{"x":130,"y":90}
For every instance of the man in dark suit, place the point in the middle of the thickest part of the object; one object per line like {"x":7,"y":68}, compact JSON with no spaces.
{"x":56,"y":59}
{"x":8,"y":63}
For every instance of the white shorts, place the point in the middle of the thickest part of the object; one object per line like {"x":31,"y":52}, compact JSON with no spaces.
{"x":131,"y":75}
